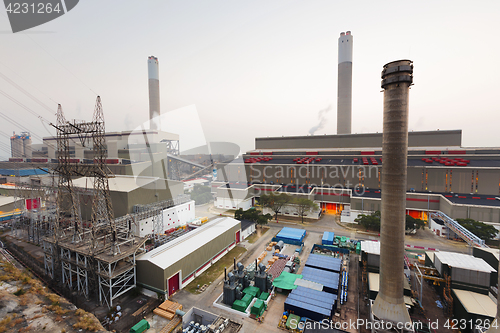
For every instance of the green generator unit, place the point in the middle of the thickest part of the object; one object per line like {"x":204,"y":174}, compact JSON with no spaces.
{"x":292,"y":321}
{"x":264,"y":296}
{"x":247,"y":299}
{"x":239,"y":305}
{"x":252,"y":290}
{"x":258,"y":308}
{"x":140,"y":327}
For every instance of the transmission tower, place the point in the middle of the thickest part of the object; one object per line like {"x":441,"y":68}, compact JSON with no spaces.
{"x":102,"y":210}
{"x":89,"y":255}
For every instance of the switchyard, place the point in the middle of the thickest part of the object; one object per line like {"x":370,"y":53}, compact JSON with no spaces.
{"x":99,"y":259}
{"x":92,"y":254}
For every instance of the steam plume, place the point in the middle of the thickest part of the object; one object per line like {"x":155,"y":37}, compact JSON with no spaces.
{"x":321,"y":120}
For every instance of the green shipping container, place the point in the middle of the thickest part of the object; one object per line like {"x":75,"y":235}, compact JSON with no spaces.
{"x":140,"y":327}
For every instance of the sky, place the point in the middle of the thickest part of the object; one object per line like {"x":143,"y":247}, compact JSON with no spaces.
{"x":253,"y":68}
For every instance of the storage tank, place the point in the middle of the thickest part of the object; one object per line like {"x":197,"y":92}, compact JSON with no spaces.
{"x":16,"y":145}
{"x":279,"y":245}
{"x":26,"y":137}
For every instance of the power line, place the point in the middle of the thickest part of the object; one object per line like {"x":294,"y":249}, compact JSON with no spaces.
{"x":24,"y":91}
{"x":27,"y":82}
{"x":81,"y":81}
{"x":25,"y":129}
{"x":22,"y":105}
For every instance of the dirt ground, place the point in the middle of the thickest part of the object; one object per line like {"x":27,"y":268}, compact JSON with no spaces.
{"x":27,"y":306}
{"x":431,"y":310}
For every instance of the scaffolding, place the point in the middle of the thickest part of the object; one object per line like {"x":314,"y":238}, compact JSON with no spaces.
{"x":425,"y":273}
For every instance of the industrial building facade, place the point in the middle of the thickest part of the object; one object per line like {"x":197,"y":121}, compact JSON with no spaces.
{"x":173,"y":217}
{"x":174,"y":265}
{"x":343,"y":173}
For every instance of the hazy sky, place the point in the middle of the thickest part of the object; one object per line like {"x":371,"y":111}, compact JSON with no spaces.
{"x":256,"y":68}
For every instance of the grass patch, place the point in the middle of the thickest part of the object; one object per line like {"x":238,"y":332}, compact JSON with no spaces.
{"x":215,"y":270}
{"x":87,"y":322}
{"x":4,"y":322}
{"x":20,"y":292}
{"x":258,"y":233}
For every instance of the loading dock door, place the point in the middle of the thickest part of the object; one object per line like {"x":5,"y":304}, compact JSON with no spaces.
{"x":237,"y":237}
{"x":173,"y":284}
{"x":330,"y":208}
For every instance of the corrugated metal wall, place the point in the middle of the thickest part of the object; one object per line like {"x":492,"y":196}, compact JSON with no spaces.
{"x":200,"y":256}
{"x":470,"y":276}
{"x":149,"y":274}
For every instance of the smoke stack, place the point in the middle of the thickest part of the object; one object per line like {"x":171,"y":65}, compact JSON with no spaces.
{"x":344,"y":86}
{"x":154,"y":93}
{"x":397,"y":76}
{"x":234,"y":263}
{"x":225,"y":274}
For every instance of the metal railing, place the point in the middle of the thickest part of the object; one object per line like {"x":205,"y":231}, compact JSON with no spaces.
{"x":457,"y":228}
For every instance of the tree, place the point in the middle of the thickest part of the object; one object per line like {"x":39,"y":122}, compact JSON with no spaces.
{"x":263,"y":219}
{"x":304,"y":205}
{"x":253,"y":215}
{"x":275,"y":202}
{"x":480,"y":229}
{"x":413,"y":223}
{"x":371,"y":221}
{"x":201,"y":194}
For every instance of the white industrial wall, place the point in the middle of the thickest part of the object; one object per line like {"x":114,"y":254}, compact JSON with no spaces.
{"x":439,"y":229}
{"x":228,"y":203}
{"x":348,"y":216}
{"x":173,"y":217}
{"x":290,"y":210}
{"x":248,"y":231}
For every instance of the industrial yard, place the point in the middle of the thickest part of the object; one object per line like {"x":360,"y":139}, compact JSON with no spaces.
{"x":234,"y":206}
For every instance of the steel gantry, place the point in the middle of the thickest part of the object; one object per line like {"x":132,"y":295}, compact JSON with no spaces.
{"x":95,"y":258}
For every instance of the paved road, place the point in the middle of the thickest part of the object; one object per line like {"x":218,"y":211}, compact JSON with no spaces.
{"x":425,"y":238}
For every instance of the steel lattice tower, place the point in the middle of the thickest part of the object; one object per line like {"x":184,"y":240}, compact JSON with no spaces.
{"x":102,"y":210}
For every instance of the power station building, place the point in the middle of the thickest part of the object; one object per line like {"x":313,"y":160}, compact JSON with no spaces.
{"x":343,"y":174}
{"x":129,"y":192}
{"x":174,"y":265}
